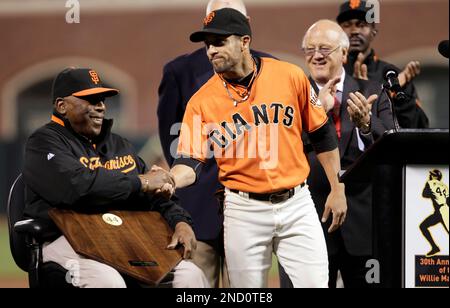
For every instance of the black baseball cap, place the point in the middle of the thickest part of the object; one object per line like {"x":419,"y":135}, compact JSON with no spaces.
{"x":225,"y":21}
{"x":79,"y":82}
{"x":354,"y":9}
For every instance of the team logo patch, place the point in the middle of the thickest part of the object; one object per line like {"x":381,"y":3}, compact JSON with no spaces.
{"x":209,"y":18}
{"x":354,"y":4}
{"x":314,"y":99}
{"x":94,"y":77}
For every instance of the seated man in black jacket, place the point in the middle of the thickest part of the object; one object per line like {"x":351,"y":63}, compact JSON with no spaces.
{"x":76,"y":162}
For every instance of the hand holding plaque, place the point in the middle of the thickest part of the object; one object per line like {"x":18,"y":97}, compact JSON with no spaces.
{"x":185,"y":236}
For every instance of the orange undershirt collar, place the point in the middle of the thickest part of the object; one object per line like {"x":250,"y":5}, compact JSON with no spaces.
{"x":57,"y":120}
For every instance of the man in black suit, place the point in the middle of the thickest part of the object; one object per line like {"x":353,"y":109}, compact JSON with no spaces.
{"x":361,"y":114}
{"x":182,"y":77}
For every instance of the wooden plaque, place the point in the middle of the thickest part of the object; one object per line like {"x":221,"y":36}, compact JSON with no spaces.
{"x":132,"y":242}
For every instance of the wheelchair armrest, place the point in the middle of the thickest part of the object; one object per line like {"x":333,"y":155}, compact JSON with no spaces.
{"x":36,"y":228}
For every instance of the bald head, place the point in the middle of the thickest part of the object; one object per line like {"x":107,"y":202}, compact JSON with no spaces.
{"x":326,"y":46}
{"x":329,"y":29}
{"x":214,"y":5}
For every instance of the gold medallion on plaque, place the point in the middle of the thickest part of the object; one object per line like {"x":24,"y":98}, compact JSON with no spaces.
{"x":112,"y":219}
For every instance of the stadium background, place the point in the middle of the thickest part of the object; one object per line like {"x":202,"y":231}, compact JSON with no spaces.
{"x":129,"y":41}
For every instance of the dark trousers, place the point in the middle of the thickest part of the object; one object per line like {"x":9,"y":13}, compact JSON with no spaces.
{"x":353,"y":270}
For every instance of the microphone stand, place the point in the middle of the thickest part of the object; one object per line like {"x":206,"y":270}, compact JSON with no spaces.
{"x":385,"y":89}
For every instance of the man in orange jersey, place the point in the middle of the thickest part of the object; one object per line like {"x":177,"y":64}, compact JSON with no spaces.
{"x":249,"y":116}
{"x":182,"y":77}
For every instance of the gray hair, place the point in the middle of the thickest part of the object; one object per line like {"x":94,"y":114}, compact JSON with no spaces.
{"x":214,"y":5}
{"x":335,"y":28}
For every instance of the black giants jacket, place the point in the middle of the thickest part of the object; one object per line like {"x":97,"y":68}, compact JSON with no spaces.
{"x":65,"y":170}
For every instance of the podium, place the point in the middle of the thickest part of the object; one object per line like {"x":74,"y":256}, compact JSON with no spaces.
{"x":398,"y":166}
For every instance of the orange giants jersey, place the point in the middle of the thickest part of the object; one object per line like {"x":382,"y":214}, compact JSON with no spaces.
{"x":257,"y":142}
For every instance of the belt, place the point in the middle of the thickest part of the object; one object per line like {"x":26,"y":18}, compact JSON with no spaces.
{"x":275,"y":197}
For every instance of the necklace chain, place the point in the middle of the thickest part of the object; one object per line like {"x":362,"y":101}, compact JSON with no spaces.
{"x":246,"y":93}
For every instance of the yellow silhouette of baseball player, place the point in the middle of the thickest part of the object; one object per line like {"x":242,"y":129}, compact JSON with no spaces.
{"x":437,"y":191}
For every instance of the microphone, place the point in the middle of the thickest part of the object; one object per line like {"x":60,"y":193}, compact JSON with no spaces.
{"x":391,"y":76}
{"x":443,"y":48}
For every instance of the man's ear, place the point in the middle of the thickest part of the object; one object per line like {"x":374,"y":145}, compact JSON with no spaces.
{"x":344,"y":55}
{"x":61,"y":106}
{"x":374,"y":32}
{"x":246,"y":39}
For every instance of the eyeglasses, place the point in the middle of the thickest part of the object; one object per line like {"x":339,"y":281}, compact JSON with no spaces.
{"x":324,"y":51}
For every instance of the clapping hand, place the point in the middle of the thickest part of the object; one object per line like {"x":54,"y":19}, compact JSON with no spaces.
{"x":411,"y":70}
{"x":359,"y":68}
{"x":359,"y":109}
{"x":328,"y":92}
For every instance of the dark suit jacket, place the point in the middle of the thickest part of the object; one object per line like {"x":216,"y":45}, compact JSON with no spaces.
{"x":357,"y":229}
{"x":182,"y":77}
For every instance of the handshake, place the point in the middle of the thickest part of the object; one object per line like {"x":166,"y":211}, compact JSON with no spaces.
{"x":158,"y":181}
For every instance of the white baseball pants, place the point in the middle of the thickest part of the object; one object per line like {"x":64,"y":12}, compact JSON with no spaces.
{"x":291,"y":229}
